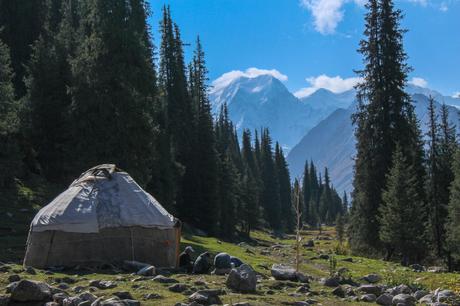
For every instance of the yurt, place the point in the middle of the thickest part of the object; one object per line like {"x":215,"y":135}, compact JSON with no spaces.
{"x":103,"y":217}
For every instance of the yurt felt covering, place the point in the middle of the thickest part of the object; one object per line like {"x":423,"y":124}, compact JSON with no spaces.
{"x":104,"y":216}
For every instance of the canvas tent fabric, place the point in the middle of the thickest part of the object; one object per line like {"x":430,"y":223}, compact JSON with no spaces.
{"x":104,"y":216}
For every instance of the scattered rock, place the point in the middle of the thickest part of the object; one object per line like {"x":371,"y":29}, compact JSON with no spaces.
{"x":147,"y":271}
{"x":303,"y":289}
{"x":283,"y":272}
{"x":385,"y":299}
{"x":30,"y":270}
{"x":4,"y":300}
{"x":370,"y":298}
{"x":404,"y":300}
{"x":372,"y":278}
{"x":164,"y":280}
{"x":417,"y":268}
{"x":324,"y":256}
{"x":124,"y":295}
{"x":401,"y":289}
{"x":14,"y":278}
{"x":242,"y":279}
{"x":206,"y":297}
{"x":115,"y":301}
{"x":436,"y":269}
{"x":57,"y":304}
{"x":152,"y":296}
{"x":101,"y":284}
{"x":444,"y":295}
{"x":63,"y":286}
{"x":28,"y":290}
{"x":419,"y":294}
{"x":60,"y":297}
{"x":221,"y":271}
{"x":427,"y":299}
{"x":309,"y":244}
{"x":339,"y":291}
{"x":370,"y":289}
{"x":330,"y":282}
{"x":178,"y":288}
{"x":348,"y":259}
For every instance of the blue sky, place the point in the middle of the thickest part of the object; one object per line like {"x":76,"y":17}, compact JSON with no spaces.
{"x":312,"y":43}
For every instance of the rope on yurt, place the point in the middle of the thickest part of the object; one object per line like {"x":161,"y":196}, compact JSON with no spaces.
{"x":49,"y":249}
{"x":132,"y":243}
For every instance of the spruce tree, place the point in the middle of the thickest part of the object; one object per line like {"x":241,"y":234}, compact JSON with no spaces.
{"x":401,"y":213}
{"x":453,"y":220}
{"x":306,"y":190}
{"x":383,"y":119}
{"x":48,"y":100}
{"x":113,"y":83}
{"x":10,"y":155}
{"x":287,"y":211}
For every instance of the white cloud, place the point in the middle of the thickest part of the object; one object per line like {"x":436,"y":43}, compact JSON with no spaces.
{"x":226,"y":78}
{"x":443,"y":7}
{"x":335,"y":84}
{"x":421,"y":2}
{"x":456,"y":95}
{"x":327,"y":14}
{"x":418,"y":82}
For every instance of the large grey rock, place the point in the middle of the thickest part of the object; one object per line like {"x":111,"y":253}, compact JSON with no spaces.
{"x":427,"y":299}
{"x":371,"y":289}
{"x":77,"y":300}
{"x":222,"y":261}
{"x":385,"y":299}
{"x":206,"y":297}
{"x":403,"y":299}
{"x":29,"y":291}
{"x":444,"y":295}
{"x":330,"y":281}
{"x":242,"y":279}
{"x":369,"y":298}
{"x":401,"y":289}
{"x":101,"y":284}
{"x":14,"y":278}
{"x":417,"y":268}
{"x":164,"y":280}
{"x":283,"y":272}
{"x":60,"y":297}
{"x":339,"y":291}
{"x":419,"y":294}
{"x":178,"y":288}
{"x":4,"y":300}
{"x":372,"y":278}
{"x":124,"y":295}
{"x":147,"y":271}
{"x":115,"y":301}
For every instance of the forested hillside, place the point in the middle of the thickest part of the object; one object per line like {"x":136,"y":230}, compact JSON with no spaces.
{"x":84,"y":84}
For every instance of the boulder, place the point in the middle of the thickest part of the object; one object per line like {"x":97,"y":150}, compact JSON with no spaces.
{"x":417,"y":268}
{"x":324,"y":256}
{"x":444,"y":295}
{"x":348,"y":259}
{"x":79,"y":299}
{"x":30,"y":270}
{"x":419,"y":294}
{"x":178,"y":288}
{"x":115,"y":301}
{"x":60,"y":297}
{"x":427,"y":299}
{"x":101,"y":284}
{"x":385,"y":299}
{"x":147,"y":271}
{"x":221,"y":271}
{"x":124,"y":295}
{"x":330,"y":281}
{"x":164,"y":280}
{"x":309,"y":244}
{"x":29,"y":291}
{"x":283,"y":272}
{"x":206,"y":297}
{"x":303,"y":289}
{"x":339,"y":291}
{"x":14,"y":278}
{"x":403,"y":299}
{"x":242,"y":279}
{"x":4,"y":300}
{"x":372,"y":278}
{"x":401,"y":289}
{"x":371,"y":289}
{"x":222,"y":261}
{"x":369,"y":298}
{"x":436,"y":269}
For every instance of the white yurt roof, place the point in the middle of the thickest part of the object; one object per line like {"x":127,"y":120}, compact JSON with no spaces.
{"x":102,"y":197}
